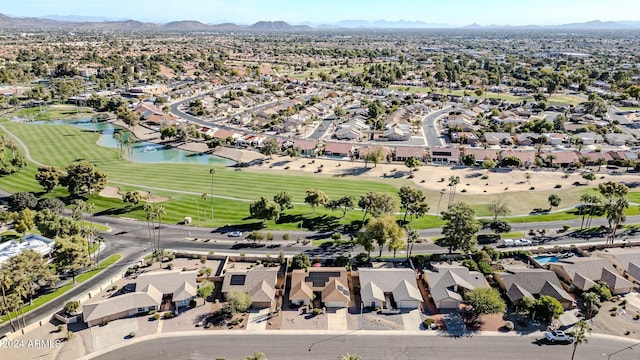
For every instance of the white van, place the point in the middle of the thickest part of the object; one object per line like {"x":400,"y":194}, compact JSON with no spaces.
{"x":508,"y":242}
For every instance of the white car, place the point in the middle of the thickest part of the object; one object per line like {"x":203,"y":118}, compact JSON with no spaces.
{"x":525,"y":242}
{"x":559,"y":336}
{"x":235,"y":234}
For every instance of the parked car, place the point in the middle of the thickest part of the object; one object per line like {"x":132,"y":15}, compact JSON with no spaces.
{"x":235,"y":234}
{"x":508,"y":242}
{"x":525,"y":242}
{"x":559,"y":336}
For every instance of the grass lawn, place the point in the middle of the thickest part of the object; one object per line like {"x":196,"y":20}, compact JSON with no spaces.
{"x":52,"y":113}
{"x":183,"y":184}
{"x":512,"y":235}
{"x":68,"y":285}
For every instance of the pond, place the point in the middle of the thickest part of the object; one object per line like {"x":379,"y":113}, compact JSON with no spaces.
{"x":142,"y":151}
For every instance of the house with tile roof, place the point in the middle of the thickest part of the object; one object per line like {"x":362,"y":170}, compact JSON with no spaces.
{"x":402,"y":153}
{"x":258,"y":282}
{"x":448,"y":283}
{"x":338,"y":149}
{"x":161,"y":291}
{"x":583,"y":273}
{"x":329,"y":284}
{"x":521,"y":282}
{"x":389,"y":289}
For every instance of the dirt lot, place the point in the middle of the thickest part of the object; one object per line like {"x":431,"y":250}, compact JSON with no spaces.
{"x":622,"y":323}
{"x":294,"y":319}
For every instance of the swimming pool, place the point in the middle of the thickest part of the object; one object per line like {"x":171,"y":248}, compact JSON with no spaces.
{"x":546,"y":259}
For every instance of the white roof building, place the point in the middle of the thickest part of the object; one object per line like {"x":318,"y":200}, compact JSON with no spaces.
{"x":37,"y":243}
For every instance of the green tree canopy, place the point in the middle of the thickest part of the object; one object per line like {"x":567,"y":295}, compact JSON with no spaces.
{"x":300,"y":261}
{"x":316,"y":198}
{"x":238,"y":301}
{"x":484,"y":301}
{"x":70,"y":254}
{"x":344,"y":204}
{"x":83,"y":177}
{"x":264,"y":209}
{"x":377,"y":204}
{"x":384,"y":230}
{"x":48,"y":177}
{"x":547,"y":308}
{"x":554,"y":200}
{"x":271,"y":147}
{"x":206,"y":289}
{"x":284,"y":199}
{"x":413,"y":201}
{"x":460,"y":228}
{"x":22,"y":200}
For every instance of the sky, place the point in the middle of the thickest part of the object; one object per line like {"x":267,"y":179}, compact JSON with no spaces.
{"x":457,"y":13}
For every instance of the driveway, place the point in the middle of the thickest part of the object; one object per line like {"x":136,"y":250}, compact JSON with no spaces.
{"x":454,"y":322}
{"x":412,"y":320}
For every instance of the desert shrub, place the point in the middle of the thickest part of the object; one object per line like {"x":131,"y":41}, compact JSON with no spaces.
{"x":508,"y":325}
{"x":614,"y":308}
{"x":168,"y":315}
{"x":153,"y":311}
{"x":470,"y":264}
{"x":558,"y":186}
{"x":156,"y":316}
{"x":428,"y":322}
{"x":485,"y":268}
{"x":132,"y":334}
{"x":149,"y":262}
{"x":316,"y":312}
{"x":363,"y":259}
{"x":71,"y":307}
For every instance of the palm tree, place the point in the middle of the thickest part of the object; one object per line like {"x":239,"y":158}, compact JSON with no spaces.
{"x":584,"y":199}
{"x":204,"y":198}
{"x":453,"y":183}
{"x":412,"y":238}
{"x":158,"y":213}
{"x":151,"y":225}
{"x":117,"y":136}
{"x":130,"y":140}
{"x":212,"y":171}
{"x":601,"y":161}
{"x":580,"y":335}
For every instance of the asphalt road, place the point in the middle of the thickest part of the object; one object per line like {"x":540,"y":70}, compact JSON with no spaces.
{"x":369,"y":347}
{"x":432,"y":136}
{"x":615,"y":113}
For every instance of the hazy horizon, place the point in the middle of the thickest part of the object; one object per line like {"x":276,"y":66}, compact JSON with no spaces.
{"x":460,"y":13}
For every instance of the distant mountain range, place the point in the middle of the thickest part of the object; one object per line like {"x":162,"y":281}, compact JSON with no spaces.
{"x":72,"y":22}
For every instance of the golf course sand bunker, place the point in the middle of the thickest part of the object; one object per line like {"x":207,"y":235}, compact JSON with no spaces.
{"x":114,"y":192}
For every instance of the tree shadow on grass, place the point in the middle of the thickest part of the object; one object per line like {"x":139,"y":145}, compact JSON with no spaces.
{"x":290,"y":218}
{"x":321,"y":223}
{"x":114,"y":211}
{"x":240,"y":227}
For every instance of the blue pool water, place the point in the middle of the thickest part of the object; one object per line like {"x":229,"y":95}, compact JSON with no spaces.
{"x":546,"y":259}
{"x":142,"y":152}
